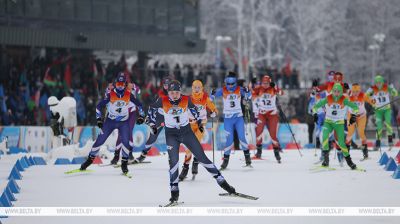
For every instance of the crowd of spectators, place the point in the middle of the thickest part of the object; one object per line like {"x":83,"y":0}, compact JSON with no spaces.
{"x":27,"y":81}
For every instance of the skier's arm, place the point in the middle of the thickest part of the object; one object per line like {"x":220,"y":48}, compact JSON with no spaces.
{"x":368,"y":100}
{"x":392,"y":90}
{"x":245,"y":92}
{"x":193,"y":110}
{"x":218,"y":93}
{"x":369,"y":92}
{"x":352,"y":105}
{"x":211,"y":106}
{"x":138,"y":104}
{"x":318,"y":105}
{"x":152,"y":112}
{"x":311,"y":104}
{"x":102,"y":104}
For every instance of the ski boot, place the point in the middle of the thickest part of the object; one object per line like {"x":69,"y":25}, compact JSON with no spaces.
{"x":195,"y":166}
{"x":259,"y":152}
{"x":317,"y":143}
{"x":247,"y":157}
{"x":174,"y":196}
{"x":276,"y":153}
{"x":353,"y":145}
{"x":142,"y":157}
{"x":114,"y":161}
{"x":87,"y":163}
{"x":390,"y":142}
{"x":184,"y":172}
{"x":365,"y":151}
{"x":325,"y":156}
{"x":124,"y":166}
{"x":225,"y":162}
{"x":377,"y":145}
{"x":224,"y":185}
{"x":350,"y":162}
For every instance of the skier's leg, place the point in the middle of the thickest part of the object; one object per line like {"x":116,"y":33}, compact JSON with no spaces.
{"x":326,"y":131}
{"x":361,"y":124}
{"x":239,"y":126}
{"x":339,"y":130}
{"x":272,"y":124}
{"x":350,"y":133}
{"x":379,"y":127}
{"x":228,"y":126}
{"x":388,"y":124}
{"x":108,"y":128}
{"x":194,"y":145}
{"x":261,"y":122}
{"x":173,"y":155}
{"x":132,"y":122}
{"x":117,"y":151}
{"x":126,"y":149}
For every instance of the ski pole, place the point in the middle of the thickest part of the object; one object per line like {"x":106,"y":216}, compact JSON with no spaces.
{"x":212,"y":138}
{"x":290,"y":129}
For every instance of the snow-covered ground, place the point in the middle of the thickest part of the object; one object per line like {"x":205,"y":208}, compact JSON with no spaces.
{"x":288,"y":184}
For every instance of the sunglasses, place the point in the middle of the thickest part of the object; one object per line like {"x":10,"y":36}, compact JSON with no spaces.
{"x":231,"y":84}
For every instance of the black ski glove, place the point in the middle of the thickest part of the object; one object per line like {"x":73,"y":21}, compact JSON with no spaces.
{"x":99,"y":123}
{"x":315,"y":117}
{"x":272,"y":84}
{"x":315,"y":82}
{"x":140,"y":120}
{"x":201,"y":128}
{"x":213,"y":91}
{"x":353,"y":119}
{"x":154,"y":129}
{"x":346,"y":86}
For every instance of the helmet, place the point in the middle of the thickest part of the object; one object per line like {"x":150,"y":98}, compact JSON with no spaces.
{"x":174,"y":85}
{"x":166,"y":80}
{"x":266,"y":78}
{"x":231,"y":81}
{"x":356,"y":87}
{"x":330,"y":75}
{"x":338,"y":86}
{"x":379,"y":79}
{"x":52,"y":101}
{"x":120,"y":82}
{"x":338,"y":77}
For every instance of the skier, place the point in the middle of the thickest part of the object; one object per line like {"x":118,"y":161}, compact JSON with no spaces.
{"x":381,"y":93}
{"x":160,"y":125}
{"x":335,"y":107}
{"x":268,"y":116}
{"x":358,"y":97}
{"x":233,"y":115}
{"x":318,"y":93}
{"x":119,"y":102}
{"x":202,"y":103}
{"x":176,"y":108}
{"x":135,"y":90}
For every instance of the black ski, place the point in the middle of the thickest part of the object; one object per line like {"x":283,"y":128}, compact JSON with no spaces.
{"x":194,"y":176}
{"x":239,"y":195}
{"x":172,"y":204}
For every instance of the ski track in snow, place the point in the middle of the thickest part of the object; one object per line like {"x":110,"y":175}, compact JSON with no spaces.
{"x":288,"y":184}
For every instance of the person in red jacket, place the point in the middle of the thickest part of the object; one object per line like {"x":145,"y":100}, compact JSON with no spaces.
{"x":266,"y":96}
